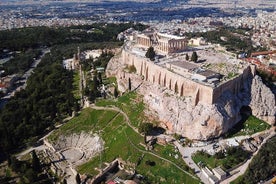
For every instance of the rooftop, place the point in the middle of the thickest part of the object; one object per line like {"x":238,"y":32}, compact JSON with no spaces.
{"x":219,"y":171}
{"x":184,"y":64}
{"x":263,"y":53}
{"x":206,"y":72}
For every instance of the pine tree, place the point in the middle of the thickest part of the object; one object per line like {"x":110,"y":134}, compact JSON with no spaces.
{"x":115,"y":92}
{"x":187,"y":57}
{"x":95,"y":81}
{"x":194,"y":57}
{"x":100,"y":77}
{"x":35,"y":162}
{"x":150,"y":53}
{"x":129,"y":84}
{"x":78,"y":179}
{"x":64,"y":181}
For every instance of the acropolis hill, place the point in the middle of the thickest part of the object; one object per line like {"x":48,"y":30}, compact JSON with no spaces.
{"x":197,"y":100}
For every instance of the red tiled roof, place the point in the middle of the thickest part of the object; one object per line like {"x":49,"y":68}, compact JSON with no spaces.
{"x":111,"y":182}
{"x":263,"y":53}
{"x":3,"y":85}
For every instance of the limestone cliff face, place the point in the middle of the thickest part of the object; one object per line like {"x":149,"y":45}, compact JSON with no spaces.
{"x":262,"y":101}
{"x":202,"y":121}
{"x":205,"y":121}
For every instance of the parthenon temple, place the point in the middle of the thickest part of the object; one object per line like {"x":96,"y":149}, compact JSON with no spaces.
{"x":163,"y":43}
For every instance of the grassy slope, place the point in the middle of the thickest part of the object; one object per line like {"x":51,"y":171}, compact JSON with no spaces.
{"x":121,"y":141}
{"x":249,"y":126}
{"x":230,"y":160}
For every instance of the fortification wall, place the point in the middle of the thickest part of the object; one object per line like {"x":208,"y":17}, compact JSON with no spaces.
{"x":235,"y":85}
{"x":181,"y":85}
{"x":163,"y":77}
{"x":220,"y":107}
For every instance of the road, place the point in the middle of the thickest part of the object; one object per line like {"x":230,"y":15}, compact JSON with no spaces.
{"x":24,"y":77}
{"x":33,"y":66}
{"x":187,"y":152}
{"x":241,"y":170}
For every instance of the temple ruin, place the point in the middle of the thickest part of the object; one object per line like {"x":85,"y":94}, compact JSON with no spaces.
{"x":163,"y":43}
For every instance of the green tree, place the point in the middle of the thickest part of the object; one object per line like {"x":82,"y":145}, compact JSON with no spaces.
{"x":100,"y":78}
{"x":95,"y":81}
{"x":14,"y":163}
{"x":187,"y":57}
{"x":30,"y":175}
{"x":129,"y":84}
{"x":194,"y":57}
{"x":150,"y":53}
{"x":92,"y":95}
{"x":116,"y":92}
{"x":64,"y":181}
{"x":132,"y":69}
{"x":262,"y":165}
{"x":35,"y":162}
{"x":145,"y":128}
{"x":78,"y":179}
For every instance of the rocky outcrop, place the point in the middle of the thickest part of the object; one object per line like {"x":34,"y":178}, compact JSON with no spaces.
{"x":262,"y":101}
{"x":201,"y":121}
{"x":178,"y":115}
{"x":205,"y":121}
{"x":116,"y":68}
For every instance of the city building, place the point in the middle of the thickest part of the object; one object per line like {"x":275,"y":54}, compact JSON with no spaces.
{"x":219,"y":173}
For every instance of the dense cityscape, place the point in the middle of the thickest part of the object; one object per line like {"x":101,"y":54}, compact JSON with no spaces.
{"x":138,"y":92}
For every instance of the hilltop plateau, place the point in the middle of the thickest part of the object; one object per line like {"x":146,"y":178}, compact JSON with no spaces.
{"x":201,"y":121}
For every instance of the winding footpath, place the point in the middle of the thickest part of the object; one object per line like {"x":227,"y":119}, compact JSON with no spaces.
{"x":113,"y":108}
{"x":24,"y":77}
{"x":241,"y":170}
{"x":188,"y":151}
{"x":187,"y":157}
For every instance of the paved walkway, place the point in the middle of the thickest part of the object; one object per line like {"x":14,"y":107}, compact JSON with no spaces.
{"x":186,"y":153}
{"x":241,"y":170}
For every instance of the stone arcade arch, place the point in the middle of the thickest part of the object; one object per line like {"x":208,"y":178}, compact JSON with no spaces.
{"x":145,"y":66}
{"x":176,"y":88}
{"x":147,"y":74}
{"x":159,"y":79}
{"x":182,"y":90}
{"x":170,"y":84}
{"x":165,"y":81}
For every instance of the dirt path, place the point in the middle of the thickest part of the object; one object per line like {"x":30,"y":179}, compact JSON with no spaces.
{"x":162,"y":158}
{"x":113,"y":108}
